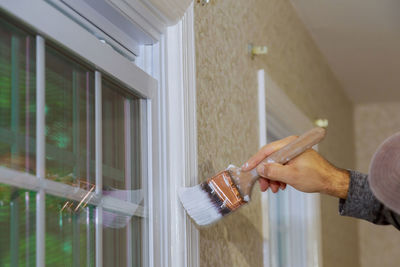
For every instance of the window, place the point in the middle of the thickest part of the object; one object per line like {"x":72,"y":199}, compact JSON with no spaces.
{"x":17,"y":146}
{"x":293,"y":217}
{"x":110,"y":132}
{"x":85,"y":181}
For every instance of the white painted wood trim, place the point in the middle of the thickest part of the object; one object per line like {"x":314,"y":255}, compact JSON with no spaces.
{"x":149,"y":185}
{"x":40,"y":151}
{"x":182,"y":136}
{"x":189,"y":85}
{"x":283,"y":119}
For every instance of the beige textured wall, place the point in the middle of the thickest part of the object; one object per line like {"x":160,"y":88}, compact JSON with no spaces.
{"x":227,"y":116}
{"x":379,"y":245}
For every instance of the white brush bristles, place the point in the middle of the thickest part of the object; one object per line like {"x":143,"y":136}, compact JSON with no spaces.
{"x":199,"y":206}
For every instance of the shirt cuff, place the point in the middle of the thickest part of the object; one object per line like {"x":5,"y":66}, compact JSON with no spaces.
{"x":360,"y":202}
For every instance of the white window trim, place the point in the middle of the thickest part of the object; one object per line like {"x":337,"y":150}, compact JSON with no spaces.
{"x":170,"y":90}
{"x":283,"y":118}
{"x":178,"y":158}
{"x":182,"y":137}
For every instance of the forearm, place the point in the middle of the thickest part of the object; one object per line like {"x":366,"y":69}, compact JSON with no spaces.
{"x":338,"y":184}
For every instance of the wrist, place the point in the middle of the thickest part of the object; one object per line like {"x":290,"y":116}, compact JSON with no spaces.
{"x":339,"y":184}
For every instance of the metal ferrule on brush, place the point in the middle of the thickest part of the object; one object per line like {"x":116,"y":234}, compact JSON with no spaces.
{"x":223,"y":192}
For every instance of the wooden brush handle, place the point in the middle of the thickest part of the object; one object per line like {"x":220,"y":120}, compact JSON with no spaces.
{"x":298,"y":146}
{"x":246,"y":180}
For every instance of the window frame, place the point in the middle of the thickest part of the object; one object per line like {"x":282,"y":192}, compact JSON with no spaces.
{"x":132,"y":77}
{"x":168,"y":84}
{"x":279,"y":116}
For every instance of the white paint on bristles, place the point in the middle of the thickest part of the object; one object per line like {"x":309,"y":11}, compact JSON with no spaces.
{"x":230,"y":167}
{"x":199,"y":206}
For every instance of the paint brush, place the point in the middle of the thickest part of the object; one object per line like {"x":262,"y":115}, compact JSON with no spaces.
{"x":230,"y":189}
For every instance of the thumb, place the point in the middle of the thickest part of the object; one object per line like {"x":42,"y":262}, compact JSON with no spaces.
{"x":275,"y":172}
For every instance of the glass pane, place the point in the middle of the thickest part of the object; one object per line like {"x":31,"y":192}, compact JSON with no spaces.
{"x":70,"y":233}
{"x":17,"y":98}
{"x":122,"y":245}
{"x":69,"y":120}
{"x":121,"y":139}
{"x":17,"y":227}
{"x":123,"y":236}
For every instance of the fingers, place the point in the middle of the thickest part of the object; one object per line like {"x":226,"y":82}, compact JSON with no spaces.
{"x":265,"y":152}
{"x":264,"y":184}
{"x":276,"y":172}
{"x":283,"y":186}
{"x":274,"y":185}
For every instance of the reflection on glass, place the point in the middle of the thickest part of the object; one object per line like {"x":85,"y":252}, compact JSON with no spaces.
{"x":69,"y":119}
{"x":121,"y":138}
{"x":70,"y":233}
{"x":121,"y":174}
{"x":17,"y":98}
{"x":123,"y":246}
{"x":17,"y":227}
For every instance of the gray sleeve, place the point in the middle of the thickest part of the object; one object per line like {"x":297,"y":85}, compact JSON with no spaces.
{"x":362,"y":204}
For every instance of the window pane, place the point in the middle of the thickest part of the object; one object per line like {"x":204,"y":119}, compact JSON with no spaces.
{"x":17,"y":98}
{"x":17,"y":227}
{"x":123,"y":246}
{"x":69,"y":119}
{"x":123,"y":236}
{"x":70,"y":233}
{"x":121,"y":138}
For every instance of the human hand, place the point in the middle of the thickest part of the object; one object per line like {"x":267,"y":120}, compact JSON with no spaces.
{"x":308,"y":172}
{"x":263,"y":153}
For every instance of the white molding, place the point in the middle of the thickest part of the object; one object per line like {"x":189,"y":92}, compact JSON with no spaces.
{"x":181,"y":132}
{"x":284,"y":118}
{"x":189,"y":85}
{"x":40,"y":151}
